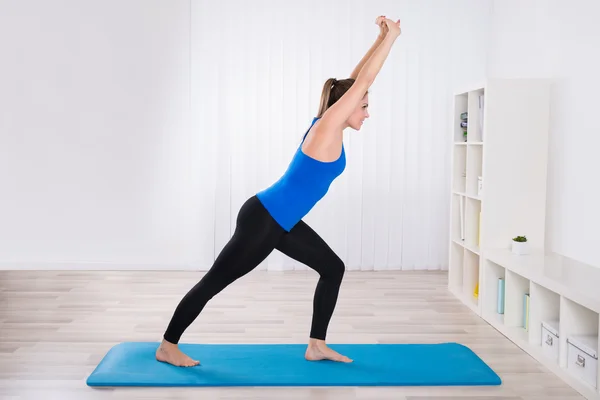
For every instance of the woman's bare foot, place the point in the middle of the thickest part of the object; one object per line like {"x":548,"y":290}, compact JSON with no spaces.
{"x":170,"y":353}
{"x":318,"y":350}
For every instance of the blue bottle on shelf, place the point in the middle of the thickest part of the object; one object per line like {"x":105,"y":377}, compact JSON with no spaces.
{"x":500,"y":306}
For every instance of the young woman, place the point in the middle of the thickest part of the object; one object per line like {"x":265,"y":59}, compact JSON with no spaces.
{"x":272,"y":219}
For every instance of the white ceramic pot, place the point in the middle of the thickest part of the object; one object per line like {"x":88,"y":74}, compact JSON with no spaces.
{"x":520,"y":248}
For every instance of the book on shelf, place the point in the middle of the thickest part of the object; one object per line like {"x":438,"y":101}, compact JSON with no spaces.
{"x":526,"y":311}
{"x":462,"y":216}
{"x":500,"y":305}
{"x":480,"y":110}
{"x":479,"y":231}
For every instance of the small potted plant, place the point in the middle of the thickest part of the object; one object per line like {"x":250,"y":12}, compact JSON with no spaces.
{"x":520,"y":246}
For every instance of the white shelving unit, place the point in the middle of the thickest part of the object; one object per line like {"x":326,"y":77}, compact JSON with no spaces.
{"x":563,"y":293}
{"x":525,"y":297}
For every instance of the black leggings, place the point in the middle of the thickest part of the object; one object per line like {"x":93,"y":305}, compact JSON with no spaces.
{"x":256,"y":235}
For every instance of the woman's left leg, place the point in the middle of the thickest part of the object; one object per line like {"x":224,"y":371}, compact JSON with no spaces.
{"x":303,"y":244}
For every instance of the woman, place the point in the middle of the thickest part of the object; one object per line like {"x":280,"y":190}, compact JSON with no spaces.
{"x":272,"y":219}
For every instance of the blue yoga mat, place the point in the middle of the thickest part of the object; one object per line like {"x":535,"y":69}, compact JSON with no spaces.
{"x":445,"y":364}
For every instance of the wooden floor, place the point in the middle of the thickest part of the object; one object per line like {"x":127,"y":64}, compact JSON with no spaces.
{"x":56,"y":326}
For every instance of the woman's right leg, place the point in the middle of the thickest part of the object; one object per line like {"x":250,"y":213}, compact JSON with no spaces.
{"x":255,"y":237}
{"x":303,"y":244}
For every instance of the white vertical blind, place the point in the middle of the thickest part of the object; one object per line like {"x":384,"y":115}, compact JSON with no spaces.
{"x":257,"y":73}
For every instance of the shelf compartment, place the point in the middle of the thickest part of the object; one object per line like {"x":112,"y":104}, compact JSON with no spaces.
{"x":579,"y":324}
{"x":545,"y":307}
{"x":474,"y":169}
{"x":472,"y":223}
{"x":517,"y":310}
{"x":456,"y":266}
{"x":476,"y":115}
{"x":460,"y":169}
{"x":544,"y":321}
{"x":458,"y":209}
{"x":460,"y":106}
{"x":471,"y":276}
{"x":494,"y":293}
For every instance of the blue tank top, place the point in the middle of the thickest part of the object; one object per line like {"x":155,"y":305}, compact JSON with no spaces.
{"x":303,"y":184}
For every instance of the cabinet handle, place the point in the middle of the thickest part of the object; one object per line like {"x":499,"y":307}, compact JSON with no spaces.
{"x":580,"y":361}
{"x":549,"y":340}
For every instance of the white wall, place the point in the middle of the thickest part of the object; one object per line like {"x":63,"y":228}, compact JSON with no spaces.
{"x":94,"y":126}
{"x":560,"y":40}
{"x":110,"y":113}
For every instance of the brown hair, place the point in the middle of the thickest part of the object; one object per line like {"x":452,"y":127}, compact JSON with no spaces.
{"x":333,"y":90}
